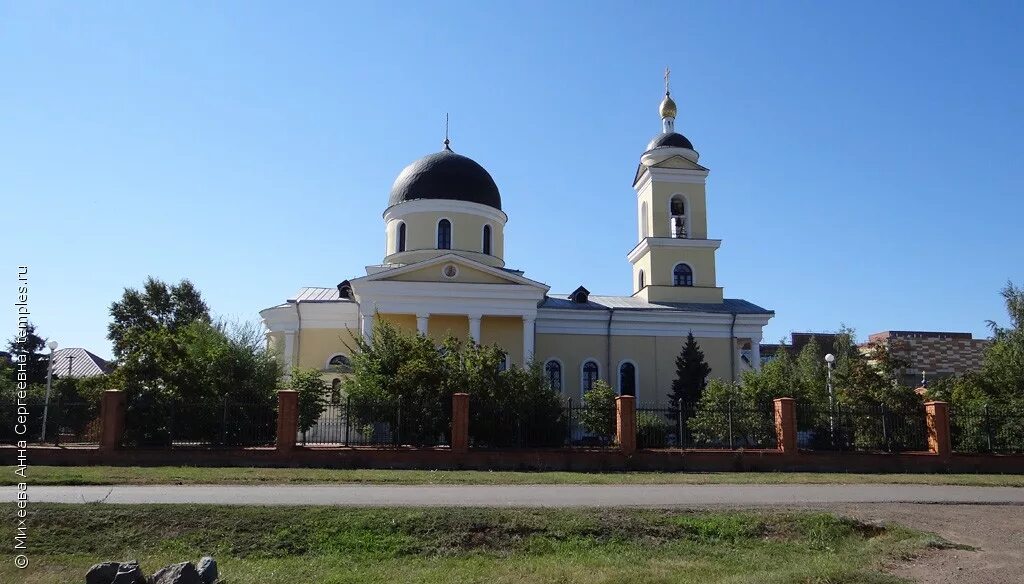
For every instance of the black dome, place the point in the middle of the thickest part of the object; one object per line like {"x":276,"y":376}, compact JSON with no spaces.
{"x":445,"y":175}
{"x":670,"y":139}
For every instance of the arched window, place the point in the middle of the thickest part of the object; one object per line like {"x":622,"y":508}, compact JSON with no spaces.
{"x":444,"y":234}
{"x":591,"y":373}
{"x":401,"y":237}
{"x":677,"y":211}
{"x":503,"y":364}
{"x":340,"y":363}
{"x":682,"y":275}
{"x":643,"y":220}
{"x":336,"y":391}
{"x":677,"y":206}
{"x":553,"y":369}
{"x":487,"y":240}
{"x":627,"y":379}
{"x":640,"y":282}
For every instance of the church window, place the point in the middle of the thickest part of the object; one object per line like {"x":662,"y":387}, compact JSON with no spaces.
{"x":643,"y":220}
{"x":677,"y":210}
{"x":340,"y":363}
{"x":627,"y":379}
{"x":444,"y":234}
{"x":553,"y":369}
{"x":487,"y":240}
{"x":640,"y":283}
{"x":682,"y":275}
{"x":401,"y":237}
{"x":336,"y":391}
{"x":590,"y":375}
{"x":503,"y":364}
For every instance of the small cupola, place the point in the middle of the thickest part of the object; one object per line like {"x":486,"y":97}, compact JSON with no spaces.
{"x":580,"y":296}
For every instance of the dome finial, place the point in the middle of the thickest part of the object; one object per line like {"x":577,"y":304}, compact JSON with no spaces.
{"x":446,"y":140}
{"x":667,"y":109}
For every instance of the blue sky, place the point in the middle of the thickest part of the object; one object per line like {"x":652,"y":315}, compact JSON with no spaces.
{"x":865,"y":159}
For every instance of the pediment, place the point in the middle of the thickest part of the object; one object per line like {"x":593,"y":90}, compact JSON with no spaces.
{"x":679,"y":162}
{"x":454,"y":269}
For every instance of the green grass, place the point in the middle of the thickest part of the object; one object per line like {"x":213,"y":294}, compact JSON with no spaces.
{"x":171,"y":475}
{"x":341,"y":545}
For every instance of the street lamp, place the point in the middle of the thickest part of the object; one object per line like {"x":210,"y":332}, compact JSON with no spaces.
{"x":49,"y":377}
{"x":829,"y":360}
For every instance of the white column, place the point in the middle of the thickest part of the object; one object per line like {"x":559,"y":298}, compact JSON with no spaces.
{"x":755,"y":353}
{"x":289,"y":351}
{"x":421,"y":323}
{"x":366,"y":326}
{"x":528,"y":328}
{"x":474,"y":327}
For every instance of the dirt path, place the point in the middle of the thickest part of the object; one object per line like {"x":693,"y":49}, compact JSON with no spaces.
{"x":996,"y":531}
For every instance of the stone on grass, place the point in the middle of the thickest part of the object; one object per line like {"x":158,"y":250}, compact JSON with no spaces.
{"x":207,"y":569}
{"x":102,"y":573}
{"x":183,"y":573}
{"x":129,"y":573}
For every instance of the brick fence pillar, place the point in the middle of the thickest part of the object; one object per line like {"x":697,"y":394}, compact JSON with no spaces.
{"x":112,"y":409}
{"x":625,"y":423}
{"x":460,"y":422}
{"x":287,"y":419}
{"x":785,"y":425}
{"x":937,"y":419}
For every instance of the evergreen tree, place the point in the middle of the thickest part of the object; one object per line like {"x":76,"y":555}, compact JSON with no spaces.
{"x":36,"y":361}
{"x":691,"y":373}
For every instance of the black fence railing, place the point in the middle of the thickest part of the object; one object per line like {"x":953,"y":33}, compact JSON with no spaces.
{"x":547,"y":425}
{"x":863,"y":428}
{"x":986,"y":429}
{"x":223,"y":423}
{"x":67,"y":422}
{"x":390,"y":423}
{"x":684,"y":425}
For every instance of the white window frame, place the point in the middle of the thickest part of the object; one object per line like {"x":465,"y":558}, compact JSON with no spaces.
{"x":583,"y":363}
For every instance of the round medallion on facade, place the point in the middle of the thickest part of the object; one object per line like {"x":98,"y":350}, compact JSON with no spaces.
{"x":446,"y":175}
{"x":450,"y":271}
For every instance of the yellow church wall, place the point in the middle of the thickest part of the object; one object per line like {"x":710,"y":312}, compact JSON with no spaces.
{"x":506,"y":332}
{"x":440,"y":326}
{"x":317,"y":345}
{"x":654,"y":358}
{"x":275,"y":343}
{"x":403,"y":322}
{"x":658,"y":264}
{"x":467,"y":233}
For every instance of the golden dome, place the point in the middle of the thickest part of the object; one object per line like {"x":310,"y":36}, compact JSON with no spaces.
{"x":667,"y":109}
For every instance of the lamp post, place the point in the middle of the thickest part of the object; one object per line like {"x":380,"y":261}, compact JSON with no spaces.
{"x":829,"y":360}
{"x":49,"y":377}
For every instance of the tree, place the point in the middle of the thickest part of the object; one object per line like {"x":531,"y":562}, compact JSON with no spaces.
{"x":691,"y":373}
{"x":31,"y":346}
{"x":598,"y":415}
{"x":157,"y":307}
{"x":185,"y":377}
{"x":312,"y":396}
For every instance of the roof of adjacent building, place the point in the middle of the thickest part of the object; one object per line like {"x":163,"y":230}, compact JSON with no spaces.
{"x":312,"y":294}
{"x":76,"y":362}
{"x":918,"y":335}
{"x":446,"y":175}
{"x":596,"y":302}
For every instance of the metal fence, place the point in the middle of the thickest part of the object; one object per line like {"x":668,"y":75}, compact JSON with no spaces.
{"x":862,"y":428}
{"x":392,"y":423}
{"x":553,"y":424}
{"x":685,"y":425}
{"x":986,"y":429}
{"x":223,"y":423}
{"x":67,"y":422}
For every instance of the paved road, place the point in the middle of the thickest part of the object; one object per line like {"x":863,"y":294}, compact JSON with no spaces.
{"x":526,"y":495}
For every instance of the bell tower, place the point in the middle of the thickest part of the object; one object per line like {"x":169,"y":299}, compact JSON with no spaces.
{"x":673,"y":261}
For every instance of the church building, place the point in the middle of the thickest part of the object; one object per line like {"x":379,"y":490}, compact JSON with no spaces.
{"x":444,"y":273}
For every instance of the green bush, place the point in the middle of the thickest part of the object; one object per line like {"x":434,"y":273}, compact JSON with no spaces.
{"x":598,"y":417}
{"x":651,"y":430}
